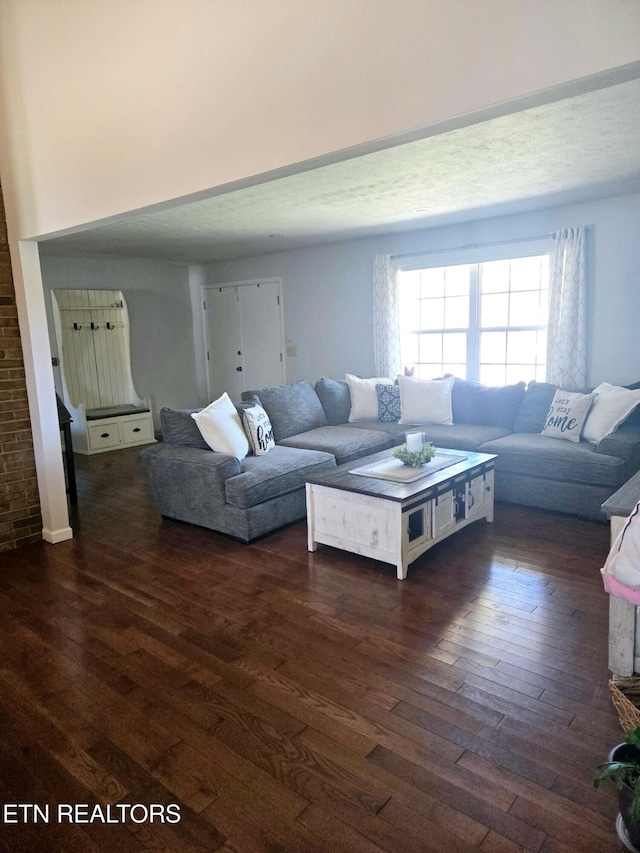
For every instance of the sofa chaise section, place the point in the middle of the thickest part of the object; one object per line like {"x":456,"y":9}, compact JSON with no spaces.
{"x":244,"y":499}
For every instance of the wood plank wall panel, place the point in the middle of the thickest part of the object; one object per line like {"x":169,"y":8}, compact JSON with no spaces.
{"x":290,"y":701}
{"x":20,"y":519}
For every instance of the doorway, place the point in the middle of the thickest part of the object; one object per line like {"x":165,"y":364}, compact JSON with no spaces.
{"x":244,"y":336}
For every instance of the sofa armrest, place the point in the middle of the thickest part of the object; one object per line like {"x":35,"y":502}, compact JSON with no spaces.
{"x":188,"y":482}
{"x":625,"y":444}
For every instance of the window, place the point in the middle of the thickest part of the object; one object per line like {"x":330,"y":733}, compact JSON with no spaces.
{"x":484,"y":321}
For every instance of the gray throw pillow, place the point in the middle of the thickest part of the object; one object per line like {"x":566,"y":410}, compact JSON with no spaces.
{"x":335,"y":397}
{"x":475,"y":403}
{"x":532,"y":413}
{"x":292,"y":409}
{"x":178,"y":427}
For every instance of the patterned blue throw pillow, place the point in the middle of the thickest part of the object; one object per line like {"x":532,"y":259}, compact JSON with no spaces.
{"x":388,"y":402}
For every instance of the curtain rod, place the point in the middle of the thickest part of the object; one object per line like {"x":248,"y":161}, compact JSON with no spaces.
{"x":473,"y":246}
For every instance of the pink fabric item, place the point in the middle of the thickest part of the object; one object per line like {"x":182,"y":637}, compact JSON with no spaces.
{"x":614,"y":587}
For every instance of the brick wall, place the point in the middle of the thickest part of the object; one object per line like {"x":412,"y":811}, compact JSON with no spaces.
{"x":20,"y":520}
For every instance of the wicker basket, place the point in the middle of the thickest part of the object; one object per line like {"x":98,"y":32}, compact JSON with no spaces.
{"x":625,"y":693}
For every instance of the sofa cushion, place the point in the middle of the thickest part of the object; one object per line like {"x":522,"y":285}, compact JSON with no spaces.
{"x":392,"y":428}
{"x":612,"y":404}
{"x":346,"y":443}
{"x":475,"y":403}
{"x":425,"y":400}
{"x":364,"y":399}
{"x":567,"y":414}
{"x":258,"y":428}
{"x":178,"y":427}
{"x":461,"y":436}
{"x":280,"y":471}
{"x":335,"y":397}
{"x":532,"y":412}
{"x":634,"y":417}
{"x":221,"y":427}
{"x":291,"y":408}
{"x":389,"y":409}
{"x":553,"y":459}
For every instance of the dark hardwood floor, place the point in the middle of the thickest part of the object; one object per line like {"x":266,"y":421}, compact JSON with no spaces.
{"x":289,"y":701}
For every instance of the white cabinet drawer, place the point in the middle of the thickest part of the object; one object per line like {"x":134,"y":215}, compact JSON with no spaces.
{"x":444,"y":514}
{"x":136,"y":429}
{"x":475,"y":496}
{"x":104,"y":434}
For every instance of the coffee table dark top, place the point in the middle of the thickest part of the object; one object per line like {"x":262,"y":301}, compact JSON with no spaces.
{"x":340,"y":478}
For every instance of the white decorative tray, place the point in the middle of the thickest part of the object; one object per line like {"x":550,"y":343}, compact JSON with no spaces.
{"x":398,"y":472}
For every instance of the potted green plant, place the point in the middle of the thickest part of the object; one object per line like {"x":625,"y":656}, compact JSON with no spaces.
{"x":415,"y":458}
{"x":622,"y":767}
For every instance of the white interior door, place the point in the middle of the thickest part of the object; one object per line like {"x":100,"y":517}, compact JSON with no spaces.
{"x":262,"y":336}
{"x":244,"y":336}
{"x":224,"y":342}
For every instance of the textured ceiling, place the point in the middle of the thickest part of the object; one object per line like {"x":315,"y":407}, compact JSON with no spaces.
{"x":586,"y":146}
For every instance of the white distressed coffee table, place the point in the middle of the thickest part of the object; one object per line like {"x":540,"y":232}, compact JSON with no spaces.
{"x":396,"y":522}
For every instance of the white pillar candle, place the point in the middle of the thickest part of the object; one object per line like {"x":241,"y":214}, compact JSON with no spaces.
{"x":414,"y":442}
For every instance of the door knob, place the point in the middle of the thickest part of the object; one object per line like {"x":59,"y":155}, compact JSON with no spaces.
{"x":239,"y":369}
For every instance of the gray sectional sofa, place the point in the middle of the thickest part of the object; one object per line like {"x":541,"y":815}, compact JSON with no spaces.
{"x":312,"y":431}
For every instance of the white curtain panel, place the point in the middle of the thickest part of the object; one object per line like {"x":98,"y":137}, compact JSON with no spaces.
{"x":386,"y":330}
{"x":567,"y":333}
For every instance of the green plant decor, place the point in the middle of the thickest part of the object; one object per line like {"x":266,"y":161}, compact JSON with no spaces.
{"x":624,"y":773}
{"x":417,"y":458}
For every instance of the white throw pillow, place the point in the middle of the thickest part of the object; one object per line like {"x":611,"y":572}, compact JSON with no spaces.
{"x":567,"y":415}
{"x":611,"y":405}
{"x":364,"y":397}
{"x":258,"y":429}
{"x":425,"y":401}
{"x":221,"y":428}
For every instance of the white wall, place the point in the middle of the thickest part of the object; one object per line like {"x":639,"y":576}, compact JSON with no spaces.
{"x":327,"y":290}
{"x":111,"y":106}
{"x":159,"y":304}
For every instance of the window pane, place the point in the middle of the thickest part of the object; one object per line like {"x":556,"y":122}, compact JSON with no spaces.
{"x":454,"y":348}
{"x":410,"y":283}
{"x":456,"y":281}
{"x":522,"y":347}
{"x":493,"y":347}
{"x":494,"y":310}
{"x":428,"y":371}
{"x":459,"y":370}
{"x":519,"y":373}
{"x":432,"y":313}
{"x":492,"y":375}
{"x":433,"y":282}
{"x":540,"y":373}
{"x":525,"y":273}
{"x":456,"y":312}
{"x":430,"y":348}
{"x":512,"y":297}
{"x":494,"y":276}
{"x":409,"y":349}
{"x":525,"y":308}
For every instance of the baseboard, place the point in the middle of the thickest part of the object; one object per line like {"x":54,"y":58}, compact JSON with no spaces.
{"x":55,"y":536}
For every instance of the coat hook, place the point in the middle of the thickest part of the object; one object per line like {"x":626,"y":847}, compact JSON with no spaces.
{"x":95,"y":326}
{"x":110,"y":325}
{"x":77,"y":327}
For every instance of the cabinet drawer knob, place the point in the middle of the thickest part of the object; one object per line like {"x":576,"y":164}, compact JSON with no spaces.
{"x":136,"y":429}
{"x":105,"y":435}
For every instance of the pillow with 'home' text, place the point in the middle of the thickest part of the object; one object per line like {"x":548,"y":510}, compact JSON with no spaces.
{"x":567,"y":414}
{"x":258,"y":428}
